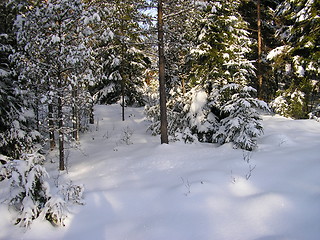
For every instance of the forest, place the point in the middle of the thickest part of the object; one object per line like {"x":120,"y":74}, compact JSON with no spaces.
{"x":203,"y":71}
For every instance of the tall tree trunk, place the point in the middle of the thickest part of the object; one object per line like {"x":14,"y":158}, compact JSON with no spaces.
{"x":37,"y":110}
{"x":61,"y":133}
{"x":91,"y":119}
{"x":122,"y":97}
{"x":75,"y":114}
{"x":162,"y":88}
{"x":183,"y":84}
{"x":122,"y":70}
{"x":51,"y":127}
{"x":259,"y":70}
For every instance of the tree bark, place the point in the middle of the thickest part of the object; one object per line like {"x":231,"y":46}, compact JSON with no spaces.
{"x":259,"y":70}
{"x":122,"y":98}
{"x":75,"y":115}
{"x":61,"y":133}
{"x":91,"y":120}
{"x":162,"y":87}
{"x":51,"y":127}
{"x":122,"y":70}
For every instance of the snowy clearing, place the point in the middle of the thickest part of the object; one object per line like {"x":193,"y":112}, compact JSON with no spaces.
{"x":137,"y":189}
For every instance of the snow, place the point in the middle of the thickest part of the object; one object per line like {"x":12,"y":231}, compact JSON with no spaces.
{"x":199,"y":101}
{"x":203,"y":33}
{"x":4,"y":73}
{"x":55,"y":39}
{"x":276,"y":52}
{"x":300,"y":71}
{"x":139,"y":189}
{"x":305,"y":12}
{"x":96,"y":17}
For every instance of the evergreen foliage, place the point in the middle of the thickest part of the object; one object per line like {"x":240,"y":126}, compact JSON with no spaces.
{"x":52,"y":62}
{"x":222,"y":43}
{"x":219,"y":107}
{"x":242,"y":124}
{"x":29,"y":192}
{"x":120,"y":52}
{"x":248,"y":10}
{"x":229,"y":114}
{"x":297,"y":62}
{"x":17,"y":124}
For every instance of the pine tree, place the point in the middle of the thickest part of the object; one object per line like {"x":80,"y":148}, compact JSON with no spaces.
{"x":222,"y":43}
{"x":221,"y":64}
{"x":296,"y":62}
{"x":52,"y":60}
{"x":120,"y":53}
{"x":17,"y":126}
{"x":262,"y":12}
{"x":173,"y":25}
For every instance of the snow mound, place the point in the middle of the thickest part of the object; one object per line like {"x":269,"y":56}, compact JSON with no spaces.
{"x":274,"y":140}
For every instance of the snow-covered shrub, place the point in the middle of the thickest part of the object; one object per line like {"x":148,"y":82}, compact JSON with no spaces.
{"x":55,"y":211}
{"x":178,"y":127}
{"x":289,"y":103}
{"x":153,"y":115}
{"x":175,"y":114}
{"x":29,"y":189}
{"x":72,"y":193}
{"x":152,"y":107}
{"x":280,"y":105}
{"x":189,"y":117}
{"x":228,"y":114}
{"x":315,"y":114}
{"x":30,"y":194}
{"x":201,"y":120}
{"x":242,"y":124}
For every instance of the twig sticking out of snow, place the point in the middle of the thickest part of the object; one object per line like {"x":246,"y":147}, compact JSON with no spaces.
{"x":187,"y":185}
{"x":126,"y":135}
{"x":246,"y":155}
{"x":248,"y":175}
{"x":233,"y":178}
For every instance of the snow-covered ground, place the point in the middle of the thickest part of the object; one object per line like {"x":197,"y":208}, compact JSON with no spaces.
{"x":137,"y":189}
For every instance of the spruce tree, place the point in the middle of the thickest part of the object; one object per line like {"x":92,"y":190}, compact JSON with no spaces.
{"x":120,"y":52}
{"x":296,"y":62}
{"x":264,"y":41}
{"x":217,"y":58}
{"x":18,"y":132}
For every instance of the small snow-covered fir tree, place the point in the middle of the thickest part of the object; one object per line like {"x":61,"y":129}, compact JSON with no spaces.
{"x":201,"y":121}
{"x":289,"y":103}
{"x":29,"y":189}
{"x":29,"y":192}
{"x":242,"y":124}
